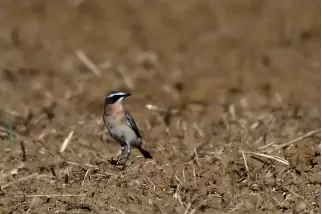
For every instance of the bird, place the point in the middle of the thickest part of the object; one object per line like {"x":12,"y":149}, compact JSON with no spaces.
{"x":121,"y":125}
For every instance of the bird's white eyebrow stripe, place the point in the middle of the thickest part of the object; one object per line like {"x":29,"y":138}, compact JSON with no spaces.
{"x":119,"y":93}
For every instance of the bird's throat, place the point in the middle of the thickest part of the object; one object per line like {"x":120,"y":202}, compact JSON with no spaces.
{"x":113,"y":109}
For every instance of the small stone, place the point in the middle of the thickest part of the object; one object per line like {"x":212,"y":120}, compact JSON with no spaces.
{"x":286,"y":204}
{"x":270,"y":181}
{"x":315,"y":179}
{"x":178,"y":209}
{"x":39,"y":202}
{"x":317,"y":160}
{"x":255,"y":187}
{"x":279,"y":197}
{"x":300,"y":207}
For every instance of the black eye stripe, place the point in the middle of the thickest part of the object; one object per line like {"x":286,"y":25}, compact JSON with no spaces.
{"x":116,"y":97}
{"x":113,"y":99}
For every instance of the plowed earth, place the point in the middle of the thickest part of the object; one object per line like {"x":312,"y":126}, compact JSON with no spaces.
{"x":228,"y":77}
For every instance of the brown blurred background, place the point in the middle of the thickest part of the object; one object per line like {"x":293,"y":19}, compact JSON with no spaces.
{"x":206,"y":47}
{"x":198,"y":56}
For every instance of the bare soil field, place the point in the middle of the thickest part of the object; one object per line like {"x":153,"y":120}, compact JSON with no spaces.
{"x":235,"y":89}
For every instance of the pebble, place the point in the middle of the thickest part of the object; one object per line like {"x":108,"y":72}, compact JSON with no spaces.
{"x":300,"y":207}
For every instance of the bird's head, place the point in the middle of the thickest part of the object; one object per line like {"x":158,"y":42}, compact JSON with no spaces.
{"x":115,"y":98}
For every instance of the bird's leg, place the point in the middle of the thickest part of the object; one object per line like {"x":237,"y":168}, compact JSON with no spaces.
{"x":119,"y":157}
{"x":127,"y":154}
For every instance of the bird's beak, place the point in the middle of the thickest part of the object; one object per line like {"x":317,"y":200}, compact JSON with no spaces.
{"x":127,"y":95}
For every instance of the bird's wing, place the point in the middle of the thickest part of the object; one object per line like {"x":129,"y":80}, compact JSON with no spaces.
{"x":130,"y":121}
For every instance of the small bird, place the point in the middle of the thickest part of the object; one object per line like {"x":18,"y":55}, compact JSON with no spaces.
{"x":121,"y":125}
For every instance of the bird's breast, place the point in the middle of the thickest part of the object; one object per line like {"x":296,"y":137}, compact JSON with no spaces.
{"x":120,"y":130}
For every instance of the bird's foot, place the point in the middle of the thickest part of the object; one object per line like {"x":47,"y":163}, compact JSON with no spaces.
{"x":119,"y":160}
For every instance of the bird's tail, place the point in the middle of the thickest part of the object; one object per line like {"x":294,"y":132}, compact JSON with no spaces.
{"x":144,"y":152}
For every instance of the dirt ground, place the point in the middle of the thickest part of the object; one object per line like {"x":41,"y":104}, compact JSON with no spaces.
{"x":230,"y":82}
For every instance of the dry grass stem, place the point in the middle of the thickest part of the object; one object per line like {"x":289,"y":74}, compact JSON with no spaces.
{"x":245,"y":161}
{"x":177,"y":178}
{"x":19,"y":180}
{"x":196,"y":158}
{"x":267,"y":145}
{"x":113,"y":208}
{"x":91,"y":166}
{"x":66,"y":142}
{"x":177,"y":195}
{"x":80,"y":90}
{"x":156,"y":108}
{"x":199,"y":131}
{"x":152,"y":184}
{"x":233,"y":183}
{"x":232,"y":111}
{"x":258,"y":140}
{"x":224,"y":119}
{"x":187,"y":208}
{"x":293,"y":193}
{"x":87,"y":172}
{"x":161,"y":120}
{"x":121,"y":211}
{"x":183,"y":176}
{"x":276,"y":158}
{"x":171,"y":91}
{"x":38,"y":119}
{"x":80,"y":165}
{"x":105,"y":65}
{"x":298,"y":139}
{"x":161,"y":110}
{"x":126,"y":77}
{"x":32,"y":203}
{"x":83,"y":57}
{"x":56,"y":195}
{"x":194,"y":175}
{"x":192,"y":211}
{"x":255,"y":125}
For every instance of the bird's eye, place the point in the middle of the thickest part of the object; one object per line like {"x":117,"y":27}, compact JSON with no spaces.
{"x":116,"y":98}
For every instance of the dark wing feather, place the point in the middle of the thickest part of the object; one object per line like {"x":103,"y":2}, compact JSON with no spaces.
{"x":130,"y":121}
